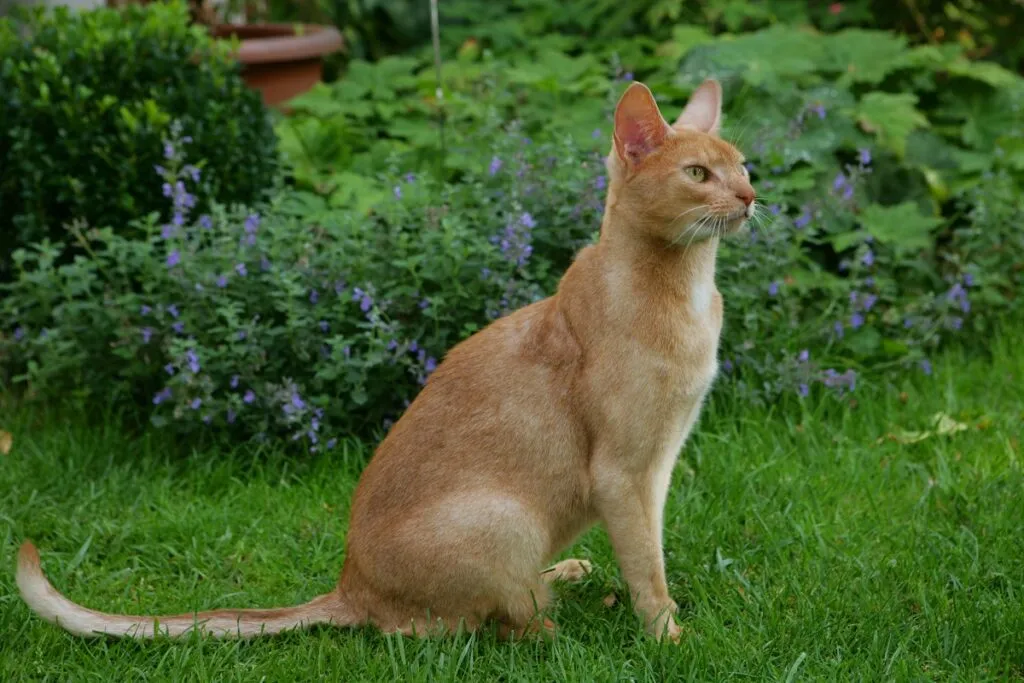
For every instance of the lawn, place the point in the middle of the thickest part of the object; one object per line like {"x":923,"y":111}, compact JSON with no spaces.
{"x":799,"y":545}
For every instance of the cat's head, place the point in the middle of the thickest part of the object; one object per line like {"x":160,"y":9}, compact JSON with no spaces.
{"x":681,"y":182}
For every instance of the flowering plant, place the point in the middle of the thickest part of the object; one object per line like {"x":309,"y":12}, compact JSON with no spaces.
{"x":302,"y":321}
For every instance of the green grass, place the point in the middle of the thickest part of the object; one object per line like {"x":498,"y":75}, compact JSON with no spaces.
{"x":797,"y":547}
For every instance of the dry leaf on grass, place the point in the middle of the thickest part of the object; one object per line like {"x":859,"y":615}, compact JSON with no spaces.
{"x":6,"y":442}
{"x":942,"y":425}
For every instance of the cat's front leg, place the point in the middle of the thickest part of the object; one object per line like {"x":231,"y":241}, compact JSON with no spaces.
{"x":629,"y":504}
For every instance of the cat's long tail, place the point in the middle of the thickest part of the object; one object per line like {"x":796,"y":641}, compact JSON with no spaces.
{"x":50,"y":605}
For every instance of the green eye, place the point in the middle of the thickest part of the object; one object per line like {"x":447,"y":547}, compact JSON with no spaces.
{"x":698,"y":173}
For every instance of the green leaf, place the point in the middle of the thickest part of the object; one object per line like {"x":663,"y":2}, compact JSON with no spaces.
{"x":865,"y":56}
{"x":891,"y":117}
{"x":986,"y":72}
{"x":902,"y":227}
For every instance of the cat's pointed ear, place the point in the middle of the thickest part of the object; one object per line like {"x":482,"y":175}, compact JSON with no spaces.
{"x":639,"y":126}
{"x":704,"y":110}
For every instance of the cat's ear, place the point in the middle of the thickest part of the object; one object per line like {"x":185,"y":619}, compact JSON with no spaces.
{"x":639,"y":126}
{"x":704,"y":110}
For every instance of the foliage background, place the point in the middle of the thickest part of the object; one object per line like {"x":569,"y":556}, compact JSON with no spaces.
{"x":889,"y":167}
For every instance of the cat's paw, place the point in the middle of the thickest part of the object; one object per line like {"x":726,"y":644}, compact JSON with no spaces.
{"x":568,"y":570}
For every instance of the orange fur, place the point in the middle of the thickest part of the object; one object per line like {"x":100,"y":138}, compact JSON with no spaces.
{"x":567,"y":412}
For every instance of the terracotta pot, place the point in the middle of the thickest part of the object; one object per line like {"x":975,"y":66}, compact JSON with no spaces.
{"x":276,"y":61}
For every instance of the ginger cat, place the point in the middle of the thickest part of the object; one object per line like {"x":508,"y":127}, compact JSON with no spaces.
{"x":568,"y":412}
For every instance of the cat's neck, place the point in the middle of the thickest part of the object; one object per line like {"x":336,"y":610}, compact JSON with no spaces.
{"x":658,"y":268}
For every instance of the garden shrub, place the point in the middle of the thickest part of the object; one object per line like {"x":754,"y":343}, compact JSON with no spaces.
{"x":309,"y":322}
{"x":87,"y":98}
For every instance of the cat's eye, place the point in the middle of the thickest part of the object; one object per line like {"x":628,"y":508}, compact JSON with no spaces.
{"x":744,"y":171}
{"x":698,"y":173}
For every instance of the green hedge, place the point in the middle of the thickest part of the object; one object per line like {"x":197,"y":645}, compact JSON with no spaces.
{"x":87,"y":98}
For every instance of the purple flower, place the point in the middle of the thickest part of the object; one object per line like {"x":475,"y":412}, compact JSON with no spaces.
{"x":485,"y":273}
{"x":168,"y":150}
{"x":234,"y":381}
{"x":864,"y":156}
{"x":169,"y":369}
{"x":297,"y":401}
{"x":242,"y":334}
{"x":839,"y":182}
{"x":265,"y":264}
{"x":365,"y":303}
{"x":147,"y":334}
{"x":168,"y":231}
{"x":332,"y":443}
{"x":819,"y":109}
{"x":240,"y":269}
{"x":600,"y":183}
{"x":196,"y":402}
{"x":231,"y":416}
{"x":167,"y":189}
{"x":249,"y":397}
{"x":727,"y":365}
{"x":252,"y":222}
{"x":838,"y":328}
{"x":856,"y":320}
{"x":926,"y":366}
{"x":222,"y":281}
{"x":869,"y":281}
{"x":527,"y":220}
{"x":145,"y":310}
{"x":869,"y":258}
{"x":178,"y":219}
{"x":802,"y":220}
{"x":414,"y":346}
{"x":969,"y":279}
{"x":193,"y":361}
{"x":174,"y":258}
{"x":160,"y":170}
{"x":908,"y":323}
{"x":339,"y":287}
{"x":775,"y":210}
{"x":804,"y":356}
{"x":495,"y":166}
{"x":205,"y":222}
{"x":410,"y":177}
{"x":398,"y":192}
{"x":19,"y":333}
{"x":869,"y":301}
{"x":803,"y":390}
{"x":173,"y":310}
{"x":773,"y":288}
{"x":324,"y":327}
{"x":392,"y":344}
{"x":596,"y":134}
{"x":628,"y":76}
{"x":430,"y":365}
{"x":424,"y":304}
{"x":957,"y":323}
{"x":178,"y":327}
{"x":193,"y":173}
{"x":314,"y":296}
{"x":162,"y":395}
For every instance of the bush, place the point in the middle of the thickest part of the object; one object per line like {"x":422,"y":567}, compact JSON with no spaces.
{"x":87,"y":98}
{"x":308,"y":322}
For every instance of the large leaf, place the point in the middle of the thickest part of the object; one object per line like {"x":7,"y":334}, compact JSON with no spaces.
{"x":902,"y":227}
{"x":771,"y":57}
{"x":891,"y":117}
{"x":865,"y":56}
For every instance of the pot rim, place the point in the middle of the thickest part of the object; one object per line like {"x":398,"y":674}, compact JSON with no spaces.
{"x":316,"y":41}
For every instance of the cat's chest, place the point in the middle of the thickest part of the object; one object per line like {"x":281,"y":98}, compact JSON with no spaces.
{"x":677,"y":362}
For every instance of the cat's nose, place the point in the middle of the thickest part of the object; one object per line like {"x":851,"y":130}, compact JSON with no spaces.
{"x":746,"y":195}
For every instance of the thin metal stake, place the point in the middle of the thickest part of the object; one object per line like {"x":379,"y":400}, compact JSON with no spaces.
{"x":435,"y":31}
